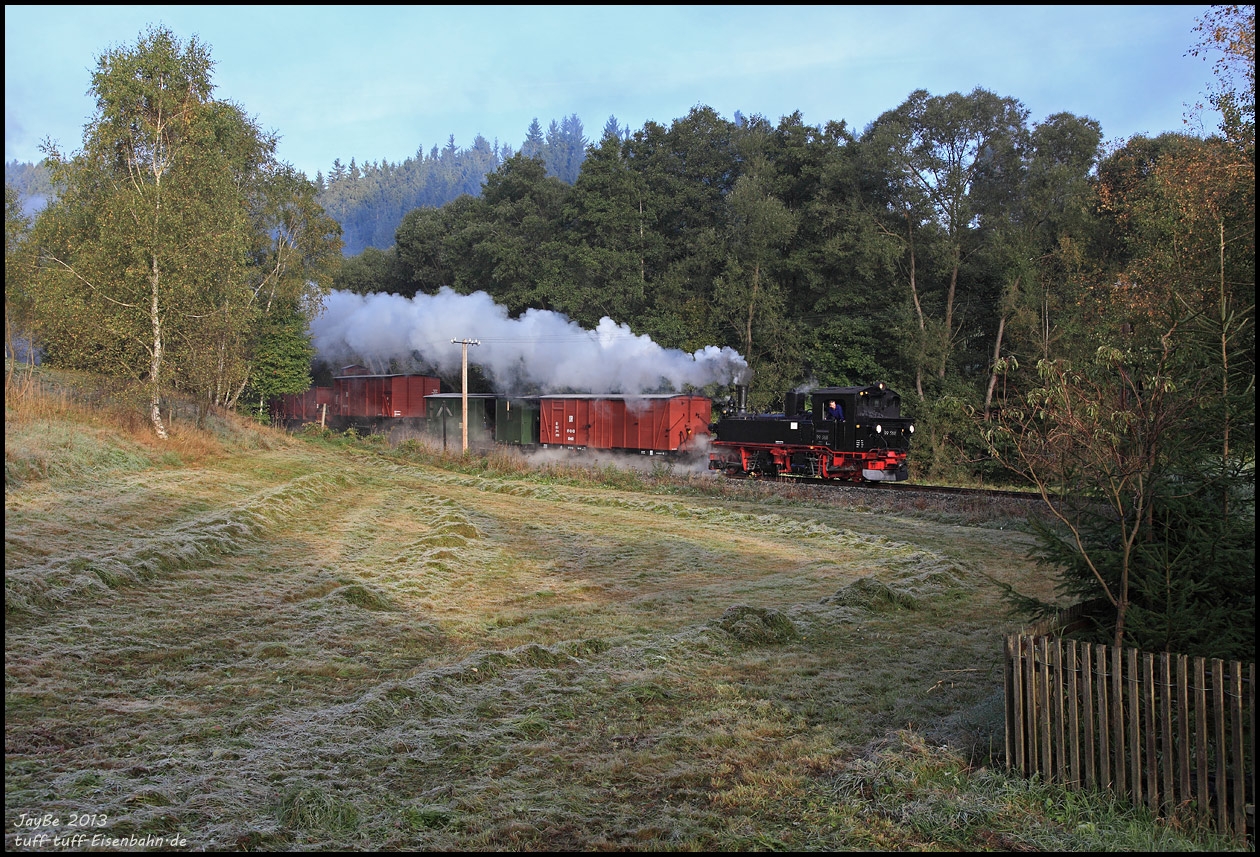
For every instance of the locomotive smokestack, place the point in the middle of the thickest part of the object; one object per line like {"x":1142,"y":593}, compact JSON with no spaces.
{"x":741,"y":379}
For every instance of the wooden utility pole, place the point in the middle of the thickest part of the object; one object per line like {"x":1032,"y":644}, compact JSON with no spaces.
{"x":463,"y":397}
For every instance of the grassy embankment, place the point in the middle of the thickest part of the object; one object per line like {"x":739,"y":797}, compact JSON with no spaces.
{"x":251,"y":640}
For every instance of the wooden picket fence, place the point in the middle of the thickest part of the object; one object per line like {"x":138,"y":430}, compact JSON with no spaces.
{"x":1170,"y":731}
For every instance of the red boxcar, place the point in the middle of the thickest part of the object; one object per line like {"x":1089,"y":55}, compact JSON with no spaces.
{"x":359,"y":395}
{"x":309,"y":407}
{"x":648,"y":423}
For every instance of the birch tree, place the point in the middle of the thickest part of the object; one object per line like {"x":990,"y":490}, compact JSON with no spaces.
{"x":161,"y":253}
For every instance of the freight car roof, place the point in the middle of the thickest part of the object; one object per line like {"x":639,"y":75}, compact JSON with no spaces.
{"x":636,"y":396}
{"x":385,"y":375}
{"x":622,"y":396}
{"x":470,"y":395}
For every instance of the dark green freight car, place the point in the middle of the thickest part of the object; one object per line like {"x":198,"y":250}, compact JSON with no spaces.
{"x":492,"y":419}
{"x":516,"y":421}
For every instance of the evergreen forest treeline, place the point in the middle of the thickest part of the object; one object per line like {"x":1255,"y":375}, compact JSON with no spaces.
{"x":370,"y":200}
{"x":32,"y":183}
{"x":950,"y":231}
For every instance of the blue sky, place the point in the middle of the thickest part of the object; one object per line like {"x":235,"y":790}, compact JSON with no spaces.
{"x":381,"y":82}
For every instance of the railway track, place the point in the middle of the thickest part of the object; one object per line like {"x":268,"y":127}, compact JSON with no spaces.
{"x":945,"y":489}
{"x":909,"y":488}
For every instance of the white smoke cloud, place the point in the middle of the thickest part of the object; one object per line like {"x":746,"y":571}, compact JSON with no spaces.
{"x":541,"y":351}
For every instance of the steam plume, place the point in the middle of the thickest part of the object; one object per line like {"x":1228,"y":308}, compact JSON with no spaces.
{"x":541,"y":351}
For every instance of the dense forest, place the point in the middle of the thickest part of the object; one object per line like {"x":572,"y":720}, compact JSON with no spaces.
{"x":1077,"y":317}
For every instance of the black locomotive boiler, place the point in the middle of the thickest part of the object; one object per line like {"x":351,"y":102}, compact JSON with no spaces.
{"x":850,"y":434}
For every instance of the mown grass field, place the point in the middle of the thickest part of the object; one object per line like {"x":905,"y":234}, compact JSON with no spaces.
{"x":245,"y":640}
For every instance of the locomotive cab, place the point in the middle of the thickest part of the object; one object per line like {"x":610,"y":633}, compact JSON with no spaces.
{"x":860,"y":418}
{"x":871,"y":424}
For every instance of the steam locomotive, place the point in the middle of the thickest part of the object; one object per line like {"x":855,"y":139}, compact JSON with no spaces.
{"x":848,"y":434}
{"x":835,"y":433}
